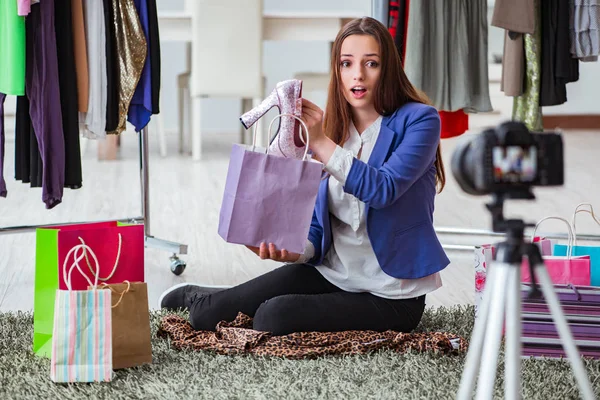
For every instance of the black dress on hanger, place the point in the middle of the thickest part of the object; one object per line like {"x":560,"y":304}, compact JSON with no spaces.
{"x":558,"y":66}
{"x":112,"y":69}
{"x":63,"y":28}
{"x":154,"y":45}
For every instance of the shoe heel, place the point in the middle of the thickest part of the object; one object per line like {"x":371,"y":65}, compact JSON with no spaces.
{"x":249,"y":118}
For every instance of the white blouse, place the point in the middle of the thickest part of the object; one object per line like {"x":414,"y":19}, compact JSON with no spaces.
{"x":351,"y":263}
{"x":93,"y":123}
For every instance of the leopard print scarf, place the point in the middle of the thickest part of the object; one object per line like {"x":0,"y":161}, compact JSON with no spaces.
{"x":238,"y":337}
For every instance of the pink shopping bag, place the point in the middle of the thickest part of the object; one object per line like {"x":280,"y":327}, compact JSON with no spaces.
{"x":567,"y":269}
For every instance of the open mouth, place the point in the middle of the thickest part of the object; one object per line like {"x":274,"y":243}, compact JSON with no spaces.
{"x":358,"y":91}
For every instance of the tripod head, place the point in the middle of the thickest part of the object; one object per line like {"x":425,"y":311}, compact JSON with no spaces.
{"x":512,"y":250}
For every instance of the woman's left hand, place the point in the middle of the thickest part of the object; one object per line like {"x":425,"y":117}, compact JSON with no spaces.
{"x":312,"y":115}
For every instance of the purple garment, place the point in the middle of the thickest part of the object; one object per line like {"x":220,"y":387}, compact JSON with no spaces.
{"x":41,"y":85}
{"x":140,"y":109}
{"x":3,"y":192}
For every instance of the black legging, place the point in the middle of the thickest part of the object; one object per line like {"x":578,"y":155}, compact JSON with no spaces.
{"x":297,"y":298}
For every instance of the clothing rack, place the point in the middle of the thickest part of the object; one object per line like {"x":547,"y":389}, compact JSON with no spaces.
{"x":177,"y":265}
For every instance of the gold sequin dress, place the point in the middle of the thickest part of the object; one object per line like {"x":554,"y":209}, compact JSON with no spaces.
{"x":131,"y":53}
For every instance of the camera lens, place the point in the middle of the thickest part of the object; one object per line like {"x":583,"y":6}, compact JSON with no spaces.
{"x":462,"y":165}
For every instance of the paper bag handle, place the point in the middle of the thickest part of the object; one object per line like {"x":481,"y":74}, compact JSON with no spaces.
{"x":577,"y":210}
{"x":300,"y":132}
{"x":121,"y":294}
{"x":303,"y":130}
{"x":67,"y":276}
{"x":570,"y":242}
{"x":116,"y":260}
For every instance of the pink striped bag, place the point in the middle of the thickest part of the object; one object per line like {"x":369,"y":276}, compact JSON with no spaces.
{"x":82,"y":333}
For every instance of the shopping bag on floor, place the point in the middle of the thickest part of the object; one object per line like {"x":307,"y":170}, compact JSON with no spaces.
{"x":120,"y":251}
{"x":484,"y":256}
{"x":82,"y":330}
{"x":581,"y":307}
{"x":130,"y":324}
{"x":269,"y":198}
{"x":567,"y":269}
{"x":592,"y":251}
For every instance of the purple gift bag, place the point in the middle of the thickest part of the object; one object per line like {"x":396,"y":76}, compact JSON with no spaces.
{"x":269,"y":198}
{"x":581,"y":306}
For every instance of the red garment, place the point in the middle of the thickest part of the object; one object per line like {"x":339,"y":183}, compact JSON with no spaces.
{"x":406,"y":8}
{"x":393,"y":17}
{"x":453,"y":123}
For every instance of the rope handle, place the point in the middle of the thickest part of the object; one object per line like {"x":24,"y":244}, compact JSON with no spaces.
{"x":79,"y":257}
{"x":121,"y":294}
{"x":97,"y":275}
{"x":569,"y":244}
{"x":577,"y":210}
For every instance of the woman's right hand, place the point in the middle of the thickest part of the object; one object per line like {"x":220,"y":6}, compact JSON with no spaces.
{"x":271,"y":253}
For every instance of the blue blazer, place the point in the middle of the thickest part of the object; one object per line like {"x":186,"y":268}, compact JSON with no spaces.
{"x":397,"y":186}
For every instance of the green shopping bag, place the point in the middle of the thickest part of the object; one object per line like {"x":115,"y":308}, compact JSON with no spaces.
{"x":120,"y":252}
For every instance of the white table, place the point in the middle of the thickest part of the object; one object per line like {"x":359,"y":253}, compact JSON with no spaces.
{"x":297,"y":26}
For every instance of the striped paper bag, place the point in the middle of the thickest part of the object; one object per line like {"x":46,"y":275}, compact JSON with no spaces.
{"x":82,"y":333}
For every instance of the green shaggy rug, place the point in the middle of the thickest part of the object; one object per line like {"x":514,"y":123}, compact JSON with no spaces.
{"x":203,"y":375}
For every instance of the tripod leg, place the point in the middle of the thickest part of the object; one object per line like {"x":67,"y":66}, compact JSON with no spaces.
{"x":513,"y":334}
{"x":467,"y":382}
{"x":564,"y":332}
{"x":485,"y":386}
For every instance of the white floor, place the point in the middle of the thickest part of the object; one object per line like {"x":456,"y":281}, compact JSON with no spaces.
{"x":185,"y":198}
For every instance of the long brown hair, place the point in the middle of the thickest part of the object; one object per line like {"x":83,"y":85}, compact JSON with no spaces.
{"x":396,"y":91}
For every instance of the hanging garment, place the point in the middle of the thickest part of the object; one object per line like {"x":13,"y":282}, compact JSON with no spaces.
{"x":154,"y":54}
{"x":132,"y":50}
{"x":400,"y":36}
{"x":526,"y":108}
{"x":3,"y":192}
{"x":380,"y":11}
{"x":22,"y":140}
{"x":24,"y":7}
{"x":63,"y":27}
{"x":12,"y":49}
{"x":516,"y":17}
{"x":112,"y":68}
{"x":557,"y":66}
{"x":93,"y":123}
{"x":400,"y":29}
{"x":446,"y":56}
{"x":513,"y":64}
{"x":585,"y":29}
{"x":28,"y":161}
{"x":453,"y":123}
{"x":80,"y":49}
{"x":42,"y":87}
{"x":392,"y":25}
{"x":140,"y":109}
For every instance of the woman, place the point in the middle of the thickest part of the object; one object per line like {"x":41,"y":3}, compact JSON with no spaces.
{"x":372,"y":253}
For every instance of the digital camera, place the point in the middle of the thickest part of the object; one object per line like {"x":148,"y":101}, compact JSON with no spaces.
{"x":508,"y":159}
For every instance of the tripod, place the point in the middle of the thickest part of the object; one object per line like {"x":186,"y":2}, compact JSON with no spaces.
{"x":502,"y":299}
